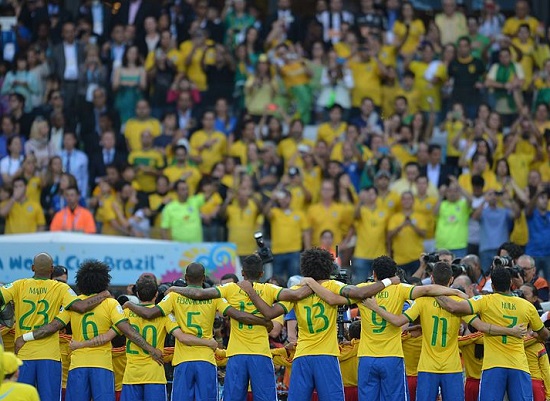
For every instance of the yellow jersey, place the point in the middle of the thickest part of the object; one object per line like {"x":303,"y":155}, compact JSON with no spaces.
{"x":64,"y":341}
{"x":24,"y":217}
{"x":371,"y":229}
{"x":190,"y":174}
{"x":119,"y":365}
{"x":366,"y":78}
{"x":349,"y":364}
{"x":288,"y":147}
{"x":426,"y":88}
{"x":378,"y":338}
{"x":509,"y":311}
{"x":8,"y":338}
{"x":140,"y":367}
{"x":89,"y":325}
{"x":287,"y":227}
{"x":415,"y":32}
{"x":512,"y":24}
{"x":323,"y":218}
{"x":241,"y":225}
{"x":467,"y":346}
{"x":211,"y":155}
{"x":316,"y":322}
{"x":391,"y":202}
{"x":34,"y":189}
{"x":328,"y":133}
{"x":134,"y":128}
{"x":194,"y":317}
{"x":248,"y":339}
{"x":534,"y":351}
{"x":194,"y":70}
{"x":37,"y":302}
{"x":406,"y":244}
{"x":425,"y":207}
{"x":412,"y":348}
{"x":439,"y":335}
{"x":156,"y":200}
{"x":13,"y":391}
{"x":240,"y":149}
{"x":146,"y":158}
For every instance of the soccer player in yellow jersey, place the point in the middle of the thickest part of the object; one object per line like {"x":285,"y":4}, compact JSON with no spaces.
{"x":10,"y":390}
{"x":91,"y":370}
{"x":505,"y":366}
{"x":471,"y":348}
{"x":539,"y":368}
{"x":381,"y":373}
{"x":37,"y":301}
{"x":143,"y":378}
{"x":439,"y":365}
{"x":315,"y":364}
{"x":248,"y":348}
{"x":194,"y":364}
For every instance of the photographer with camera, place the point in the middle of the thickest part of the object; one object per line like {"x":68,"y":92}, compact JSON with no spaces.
{"x":290,"y":232}
{"x":427,"y":262}
{"x":529,"y":276}
{"x":495,"y":223}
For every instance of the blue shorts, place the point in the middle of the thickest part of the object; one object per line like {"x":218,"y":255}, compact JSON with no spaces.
{"x":45,"y":375}
{"x":197,"y":380}
{"x":83,"y":384}
{"x":319,"y":372}
{"x":382,"y":379}
{"x":451,"y":384}
{"x":257,"y":369}
{"x":495,"y":381}
{"x":143,"y":392}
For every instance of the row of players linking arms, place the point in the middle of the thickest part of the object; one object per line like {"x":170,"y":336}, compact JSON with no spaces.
{"x":188,"y":313}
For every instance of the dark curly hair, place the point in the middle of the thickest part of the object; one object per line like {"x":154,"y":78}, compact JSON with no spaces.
{"x":146,"y":288}
{"x":513,"y":249}
{"x":384,"y":267}
{"x":501,"y":278}
{"x":316,"y":263}
{"x":354,"y":330}
{"x":92,"y":277}
{"x":253,"y":268}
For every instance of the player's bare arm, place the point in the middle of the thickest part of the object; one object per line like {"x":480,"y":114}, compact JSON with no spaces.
{"x":396,"y":320}
{"x":494,"y":330}
{"x":461,"y":308}
{"x":295,"y":295}
{"x":142,"y":311}
{"x":270,"y":312}
{"x":86,"y":305}
{"x":325,"y":294}
{"x":132,"y":335}
{"x":43,"y":332}
{"x":248,"y":318}
{"x":96,"y":341}
{"x":195,"y":293}
{"x":436,"y":290}
{"x":191,"y":340}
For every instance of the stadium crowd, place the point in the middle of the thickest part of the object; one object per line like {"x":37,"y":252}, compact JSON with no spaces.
{"x":364,"y":125}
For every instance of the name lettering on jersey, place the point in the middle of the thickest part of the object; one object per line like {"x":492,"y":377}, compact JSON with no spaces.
{"x":383,"y":295}
{"x":37,"y":291}
{"x":259,"y":292}
{"x":508,"y":306}
{"x":188,"y":301}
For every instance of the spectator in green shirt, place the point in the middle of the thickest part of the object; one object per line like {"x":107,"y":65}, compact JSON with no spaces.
{"x":181,"y":218}
{"x":480,"y":43}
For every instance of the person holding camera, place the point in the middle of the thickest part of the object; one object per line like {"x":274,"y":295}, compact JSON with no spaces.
{"x":290,"y":232}
{"x":529,"y":275}
{"x":505,"y":367}
{"x":495,"y":223}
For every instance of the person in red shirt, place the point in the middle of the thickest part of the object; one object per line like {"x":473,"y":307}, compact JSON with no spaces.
{"x":73,"y":217}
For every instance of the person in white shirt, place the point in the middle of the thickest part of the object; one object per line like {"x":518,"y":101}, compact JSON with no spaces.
{"x":75,"y":162}
{"x":10,"y":165}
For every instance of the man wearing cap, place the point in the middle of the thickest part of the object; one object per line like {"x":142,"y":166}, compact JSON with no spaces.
{"x":301,"y":195}
{"x":386,"y":198}
{"x":290,"y":230}
{"x":10,"y":389}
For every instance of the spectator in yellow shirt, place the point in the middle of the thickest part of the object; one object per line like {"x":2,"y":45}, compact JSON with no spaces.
{"x":22,"y":215}
{"x":408,"y":30}
{"x":182,"y":170}
{"x":451,"y":23}
{"x":208,"y":146}
{"x":240,"y":147}
{"x":512,"y":24}
{"x":147,"y":163}
{"x":367,"y":71}
{"x":288,"y":147}
{"x":327,"y":214}
{"x":290,"y":233}
{"x":141,"y":122}
{"x":334,"y":129}
{"x":156,"y":203}
{"x":192,"y":53}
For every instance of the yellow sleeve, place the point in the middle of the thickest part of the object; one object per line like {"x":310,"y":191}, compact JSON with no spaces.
{"x":281,"y":357}
{"x":544,"y":367}
{"x":476,"y":338}
{"x":348,"y":351}
{"x":150,"y":61}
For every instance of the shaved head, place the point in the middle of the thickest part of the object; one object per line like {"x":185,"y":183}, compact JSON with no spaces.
{"x":42,"y":265}
{"x":194,"y":274}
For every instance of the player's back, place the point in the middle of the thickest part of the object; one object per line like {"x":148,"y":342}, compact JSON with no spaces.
{"x":248,"y":339}
{"x":378,"y":337}
{"x":316,"y":323}
{"x":13,"y":391}
{"x":140,"y":367}
{"x":195,"y":317}
{"x":471,"y":348}
{"x":37,"y":302}
{"x":89,"y":325}
{"x":439,"y":336}
{"x":507,"y":311}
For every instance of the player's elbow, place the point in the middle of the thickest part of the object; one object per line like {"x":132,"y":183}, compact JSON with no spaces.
{"x":543,"y":334}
